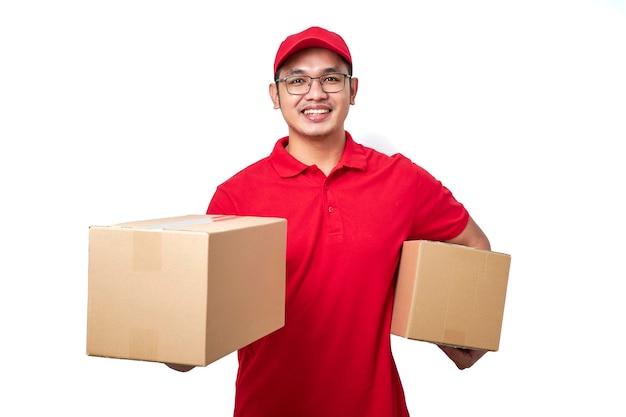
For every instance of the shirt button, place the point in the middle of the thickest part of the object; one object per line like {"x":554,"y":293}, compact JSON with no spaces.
{"x":331,"y":209}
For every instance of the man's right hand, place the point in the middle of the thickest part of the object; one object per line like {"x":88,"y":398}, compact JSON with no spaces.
{"x":179,"y":367}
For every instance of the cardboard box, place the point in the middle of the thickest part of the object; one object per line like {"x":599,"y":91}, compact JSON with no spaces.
{"x":450,"y":294}
{"x":185,"y":290}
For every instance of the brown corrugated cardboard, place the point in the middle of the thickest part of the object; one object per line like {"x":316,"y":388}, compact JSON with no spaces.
{"x":450,"y":295}
{"x":185,"y":290}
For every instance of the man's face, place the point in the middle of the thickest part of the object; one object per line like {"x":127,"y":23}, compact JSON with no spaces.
{"x":316,"y":114}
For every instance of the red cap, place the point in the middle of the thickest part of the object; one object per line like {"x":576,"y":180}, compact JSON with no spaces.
{"x":313,"y":37}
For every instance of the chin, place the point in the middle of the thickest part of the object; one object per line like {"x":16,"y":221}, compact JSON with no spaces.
{"x":318,"y":132}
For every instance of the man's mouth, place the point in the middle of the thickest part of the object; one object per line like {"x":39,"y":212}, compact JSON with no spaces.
{"x":316,"y":111}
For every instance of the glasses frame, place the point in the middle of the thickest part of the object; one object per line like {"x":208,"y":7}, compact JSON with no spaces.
{"x":347,"y":77}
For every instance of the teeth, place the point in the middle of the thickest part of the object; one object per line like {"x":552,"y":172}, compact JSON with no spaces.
{"x":315,"y":111}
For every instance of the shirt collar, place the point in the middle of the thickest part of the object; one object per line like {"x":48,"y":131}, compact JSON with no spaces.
{"x":287,"y":166}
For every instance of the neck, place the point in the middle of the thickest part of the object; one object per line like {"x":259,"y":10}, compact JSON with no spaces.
{"x":325,"y":153}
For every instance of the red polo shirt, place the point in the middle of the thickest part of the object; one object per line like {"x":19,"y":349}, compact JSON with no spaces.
{"x":345,"y":231}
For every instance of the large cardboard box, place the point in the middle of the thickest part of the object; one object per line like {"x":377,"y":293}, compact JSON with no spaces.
{"x":450,"y":294}
{"x":186,"y":290}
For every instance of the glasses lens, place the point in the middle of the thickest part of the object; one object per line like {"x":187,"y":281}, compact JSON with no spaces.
{"x":298,"y":85}
{"x":333,"y":83}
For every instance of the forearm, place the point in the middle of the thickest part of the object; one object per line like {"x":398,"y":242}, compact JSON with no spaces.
{"x":472,"y":236}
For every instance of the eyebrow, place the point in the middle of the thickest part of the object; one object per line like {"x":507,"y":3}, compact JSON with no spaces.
{"x":329,"y":70}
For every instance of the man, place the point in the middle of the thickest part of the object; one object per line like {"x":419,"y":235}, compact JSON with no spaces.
{"x":348,"y":210}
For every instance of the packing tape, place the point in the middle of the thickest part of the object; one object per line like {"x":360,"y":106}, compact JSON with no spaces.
{"x":191,"y":222}
{"x":454,"y":337}
{"x":147,"y":251}
{"x":143,"y":344}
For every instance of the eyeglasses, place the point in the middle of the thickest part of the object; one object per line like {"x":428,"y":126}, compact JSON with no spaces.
{"x":301,"y":84}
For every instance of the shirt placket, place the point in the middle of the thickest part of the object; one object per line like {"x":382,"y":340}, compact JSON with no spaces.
{"x":332,"y":209}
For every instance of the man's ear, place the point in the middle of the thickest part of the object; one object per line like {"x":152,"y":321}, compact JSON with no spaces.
{"x":273,"y":90}
{"x":354,"y":86}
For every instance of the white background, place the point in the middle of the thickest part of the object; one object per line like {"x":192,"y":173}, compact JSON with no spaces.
{"x":113,"y":111}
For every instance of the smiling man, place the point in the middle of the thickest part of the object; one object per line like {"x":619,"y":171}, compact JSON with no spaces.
{"x":349,"y":209}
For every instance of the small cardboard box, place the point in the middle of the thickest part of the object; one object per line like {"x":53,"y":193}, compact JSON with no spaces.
{"x":186,"y":290}
{"x":450,"y":294}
